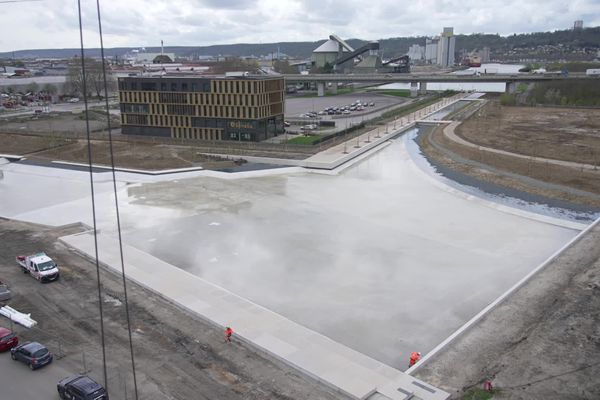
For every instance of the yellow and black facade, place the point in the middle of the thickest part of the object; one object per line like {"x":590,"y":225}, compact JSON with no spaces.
{"x":244,"y":108}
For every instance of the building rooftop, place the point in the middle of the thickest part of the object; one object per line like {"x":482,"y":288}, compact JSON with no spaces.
{"x":330,"y":46}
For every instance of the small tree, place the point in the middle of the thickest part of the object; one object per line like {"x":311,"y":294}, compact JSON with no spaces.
{"x":508,"y":99}
{"x":284,"y":67}
{"x":33,"y":87}
{"x":94,"y":78}
{"x":50,"y":88}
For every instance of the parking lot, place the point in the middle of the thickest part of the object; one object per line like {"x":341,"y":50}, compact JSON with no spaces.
{"x":295,"y":106}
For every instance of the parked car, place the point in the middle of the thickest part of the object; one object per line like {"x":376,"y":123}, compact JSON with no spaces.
{"x":346,"y":112}
{"x":34,"y":354}
{"x":81,"y":387}
{"x":8,"y":340}
{"x":372,"y":104}
{"x":286,"y":124}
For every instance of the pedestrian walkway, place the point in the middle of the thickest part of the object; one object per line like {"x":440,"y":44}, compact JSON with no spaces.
{"x":449,"y":132}
{"x":337,"y":155}
{"x":329,"y":362}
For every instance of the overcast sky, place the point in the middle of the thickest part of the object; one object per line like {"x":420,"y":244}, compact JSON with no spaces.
{"x":54,"y":23}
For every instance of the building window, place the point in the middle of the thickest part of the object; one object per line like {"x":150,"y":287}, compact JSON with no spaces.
{"x":148,"y":86}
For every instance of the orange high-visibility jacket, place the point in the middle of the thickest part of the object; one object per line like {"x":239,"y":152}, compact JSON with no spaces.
{"x":414,"y":357}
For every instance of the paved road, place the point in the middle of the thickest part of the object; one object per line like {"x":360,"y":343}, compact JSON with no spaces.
{"x":61,"y":107}
{"x":18,"y":382}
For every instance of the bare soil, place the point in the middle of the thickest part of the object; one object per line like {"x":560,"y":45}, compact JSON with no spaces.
{"x":543,"y":342}
{"x":134,"y":155}
{"x":570,"y":134}
{"x":15,"y":144}
{"x":178,"y":356}
{"x":567,"y":184}
{"x":64,"y":123}
{"x":563,"y":183}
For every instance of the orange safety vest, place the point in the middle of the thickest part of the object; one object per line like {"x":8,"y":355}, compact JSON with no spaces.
{"x":414,"y":357}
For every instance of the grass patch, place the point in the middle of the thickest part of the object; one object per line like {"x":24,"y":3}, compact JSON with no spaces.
{"x":304,"y":139}
{"x":340,"y":91}
{"x":328,"y":93}
{"x":479,"y":394}
{"x":406,"y":110}
{"x":394,"y":92}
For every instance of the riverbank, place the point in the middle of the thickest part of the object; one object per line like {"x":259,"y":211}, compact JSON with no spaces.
{"x":542,"y":342}
{"x":546,"y":181}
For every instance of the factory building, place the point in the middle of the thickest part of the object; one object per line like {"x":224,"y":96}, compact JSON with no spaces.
{"x":328,"y":53}
{"x":445,"y":48}
{"x":431,"y":50}
{"x":416,"y":52}
{"x":243,"y":108}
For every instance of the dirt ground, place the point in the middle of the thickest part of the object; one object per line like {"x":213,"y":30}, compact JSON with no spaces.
{"x":57,"y":123}
{"x":134,"y":155}
{"x":543,"y":342}
{"x":571,"y":185}
{"x":23,"y":144}
{"x":178,"y":356}
{"x":571,"y":134}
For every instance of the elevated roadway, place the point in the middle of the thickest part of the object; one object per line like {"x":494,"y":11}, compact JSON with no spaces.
{"x":419,"y":81}
{"x":407,"y":78}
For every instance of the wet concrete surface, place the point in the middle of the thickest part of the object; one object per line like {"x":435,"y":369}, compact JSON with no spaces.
{"x":376,"y":258}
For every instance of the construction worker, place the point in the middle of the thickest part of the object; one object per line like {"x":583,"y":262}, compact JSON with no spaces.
{"x":415,"y":356}
{"x":228,"y":333}
{"x":487,"y":385}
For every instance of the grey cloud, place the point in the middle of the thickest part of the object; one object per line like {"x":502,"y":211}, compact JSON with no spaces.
{"x":204,"y":22}
{"x":229,"y":4}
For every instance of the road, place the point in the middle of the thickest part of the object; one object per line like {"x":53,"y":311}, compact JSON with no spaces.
{"x":17,"y":381}
{"x":59,"y":107}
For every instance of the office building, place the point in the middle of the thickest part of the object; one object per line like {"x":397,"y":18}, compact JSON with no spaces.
{"x":243,"y":108}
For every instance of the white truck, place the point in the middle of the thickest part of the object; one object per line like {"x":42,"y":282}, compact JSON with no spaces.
{"x":593,"y":72}
{"x":237,"y":73}
{"x":40,"y":266}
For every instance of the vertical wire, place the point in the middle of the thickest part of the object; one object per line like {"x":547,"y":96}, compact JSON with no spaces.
{"x":112,"y":164}
{"x":87,"y":129}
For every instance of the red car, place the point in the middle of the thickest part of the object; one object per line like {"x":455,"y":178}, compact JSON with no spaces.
{"x":8,"y":340}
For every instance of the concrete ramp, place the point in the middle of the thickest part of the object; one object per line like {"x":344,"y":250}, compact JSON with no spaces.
{"x":327,"y":361}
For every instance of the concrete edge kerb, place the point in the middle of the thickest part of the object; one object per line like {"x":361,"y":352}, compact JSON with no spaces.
{"x":249,"y":344}
{"x":498,"y":206}
{"x":498,"y":301}
{"x":135,"y":171}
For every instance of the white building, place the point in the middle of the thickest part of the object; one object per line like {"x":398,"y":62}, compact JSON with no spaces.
{"x":327,"y":53}
{"x":147,"y":58}
{"x":446,"y":47}
{"x":416,"y":52}
{"x":431,"y":50}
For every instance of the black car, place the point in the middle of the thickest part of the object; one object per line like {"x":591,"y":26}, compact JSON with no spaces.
{"x":31,"y":353}
{"x":81,"y":387}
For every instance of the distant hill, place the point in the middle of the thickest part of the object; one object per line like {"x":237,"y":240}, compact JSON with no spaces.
{"x":588,"y":38}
